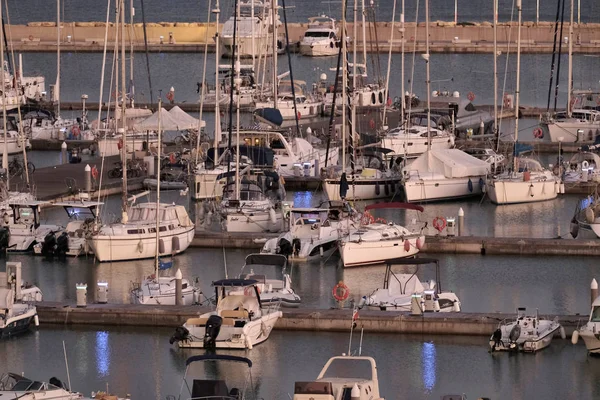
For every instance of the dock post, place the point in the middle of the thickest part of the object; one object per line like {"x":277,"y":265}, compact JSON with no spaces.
{"x":178,"y":288}
{"x":81,"y":294}
{"x":593,"y":290}
{"x":88,"y":179}
{"x":63,"y":153}
{"x":461,"y":221}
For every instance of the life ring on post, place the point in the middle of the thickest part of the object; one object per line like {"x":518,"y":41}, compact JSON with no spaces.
{"x":471,"y":96}
{"x":120,"y":144}
{"x":538,"y":133}
{"x":75,"y":130}
{"x":585,"y":164}
{"x":340,"y":291}
{"x":439,"y":223}
{"x":367,"y":219}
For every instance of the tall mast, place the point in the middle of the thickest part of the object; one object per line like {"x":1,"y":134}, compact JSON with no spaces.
{"x":344,"y":83}
{"x":156,"y":258}
{"x":131,"y":86}
{"x":238,"y":82}
{"x":402,"y":29}
{"x":428,"y":80}
{"x":364,"y":36}
{"x":387,"y":77}
{"x":519,"y":9}
{"x":56,"y":92}
{"x":352,"y":95}
{"x":216,"y":11}
{"x":496,"y":67}
{"x":5,"y":150}
{"x":570,"y":74}
{"x":123,"y":122}
{"x":274,"y":19}
{"x":202,"y":88}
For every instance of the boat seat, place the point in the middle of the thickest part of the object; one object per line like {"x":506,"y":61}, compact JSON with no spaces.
{"x":234,"y":314}
{"x":196,"y":321}
{"x":228,"y":321}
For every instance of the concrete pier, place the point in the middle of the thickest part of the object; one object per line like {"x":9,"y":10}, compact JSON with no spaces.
{"x":433,"y":244}
{"x":301,"y":319}
{"x":445,"y":37}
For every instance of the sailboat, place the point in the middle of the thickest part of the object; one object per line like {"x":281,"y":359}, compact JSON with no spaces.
{"x":528,"y":181}
{"x":443,"y":173}
{"x":145,"y":227}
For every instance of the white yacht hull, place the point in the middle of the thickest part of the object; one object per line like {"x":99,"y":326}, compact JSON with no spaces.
{"x":110,"y":147}
{"x":310,"y":248}
{"x":412,"y":147}
{"x":305,"y":110}
{"x":531,"y":344}
{"x":254,"y":222}
{"x":422,"y":190}
{"x":165,"y":299}
{"x":511,"y":192}
{"x":362,"y":189}
{"x":591,"y":339}
{"x":207,"y":186}
{"x":244,"y":45}
{"x":567,"y":130}
{"x":358,"y":253}
{"x":319,"y":49}
{"x":588,"y":231}
{"x":18,"y":323}
{"x":232,"y":337}
{"x":137,"y":247}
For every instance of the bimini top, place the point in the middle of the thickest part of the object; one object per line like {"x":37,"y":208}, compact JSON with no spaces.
{"x":276,"y":260}
{"x":235,"y":282}
{"x":411,"y":261}
{"x":218,"y":357}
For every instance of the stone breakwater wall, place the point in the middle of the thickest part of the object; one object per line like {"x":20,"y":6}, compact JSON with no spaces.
{"x":186,"y":36}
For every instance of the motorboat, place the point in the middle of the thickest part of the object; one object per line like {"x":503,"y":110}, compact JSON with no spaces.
{"x":135,"y":238}
{"x":274,"y":282}
{"x":399,"y":289}
{"x":581,"y":126}
{"x":372,"y":178}
{"x":582,"y":167}
{"x":376,"y":240}
{"x":526,"y":333}
{"x":239,"y":322}
{"x":25,"y":230}
{"x":213,"y":386}
{"x":314,"y":232}
{"x":590,"y":332}
{"x":321,"y":37}
{"x":16,"y":315}
{"x":16,"y":386}
{"x":460,"y":113}
{"x":529,"y":183}
{"x":26,"y":292}
{"x":304,"y":106}
{"x":73,"y":240}
{"x":12,"y":139}
{"x":444,"y":174}
{"x":342,"y":377}
{"x":412,"y":141}
{"x":585,"y":223}
{"x":255,"y":25}
{"x":161,"y":288}
{"x":253,"y":206}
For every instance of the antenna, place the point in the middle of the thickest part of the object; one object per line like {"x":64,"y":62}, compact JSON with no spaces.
{"x":361,"y":339}
{"x":67,"y":365}
{"x":225,"y":262}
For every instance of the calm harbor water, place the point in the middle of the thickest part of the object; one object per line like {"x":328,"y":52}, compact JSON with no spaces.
{"x":409,"y":366}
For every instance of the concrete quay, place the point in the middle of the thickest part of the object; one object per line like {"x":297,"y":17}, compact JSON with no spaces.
{"x":301,"y":319}
{"x":433,"y":244}
{"x":191,"y":37}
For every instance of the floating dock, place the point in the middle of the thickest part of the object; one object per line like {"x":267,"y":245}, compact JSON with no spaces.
{"x":300,"y":319}
{"x":433,"y":244}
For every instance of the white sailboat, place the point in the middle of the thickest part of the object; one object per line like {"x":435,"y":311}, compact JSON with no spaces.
{"x":528,"y":181}
{"x":590,"y":332}
{"x":138,"y":235}
{"x":321,"y":37}
{"x":414,"y":140}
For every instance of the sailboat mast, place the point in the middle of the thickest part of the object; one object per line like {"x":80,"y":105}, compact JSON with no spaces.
{"x":131,"y":86}
{"x":352,"y":95}
{"x":496,"y":67}
{"x":364,"y":36}
{"x":217,"y":11}
{"x":274,"y":19}
{"x":203,"y":87}
{"x":428,"y":80}
{"x":5,"y":150}
{"x":387,"y":77}
{"x":344,"y":82}
{"x":238,"y":82}
{"x":56,"y":92}
{"x":402,"y":29}
{"x":570,"y":74}
{"x":123,"y":122}
{"x":517,"y":89}
{"x":156,"y":258}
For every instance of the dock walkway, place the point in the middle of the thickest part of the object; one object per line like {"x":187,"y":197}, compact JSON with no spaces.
{"x":300,"y":319}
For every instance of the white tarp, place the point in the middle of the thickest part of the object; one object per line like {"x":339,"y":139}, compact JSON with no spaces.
{"x":181,"y":116}
{"x":452,"y":163}
{"x":168,"y":122}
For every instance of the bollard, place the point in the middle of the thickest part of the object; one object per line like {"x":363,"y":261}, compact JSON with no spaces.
{"x":178,"y":288}
{"x":81,"y":294}
{"x":63,"y":153}
{"x":102,"y":292}
{"x":594,"y":290}
{"x":461,"y":221}
{"x":88,"y":178}
{"x":415,"y":305}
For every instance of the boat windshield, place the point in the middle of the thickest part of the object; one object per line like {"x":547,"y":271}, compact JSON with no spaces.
{"x":318,"y":34}
{"x":349,"y":368}
{"x":595,"y":314}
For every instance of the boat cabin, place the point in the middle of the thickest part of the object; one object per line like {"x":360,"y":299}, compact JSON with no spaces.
{"x":237,"y":298}
{"x":25,"y":214}
{"x":268,"y":270}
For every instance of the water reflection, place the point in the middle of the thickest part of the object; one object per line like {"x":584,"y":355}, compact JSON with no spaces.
{"x":428,"y":357}
{"x":102,"y":353}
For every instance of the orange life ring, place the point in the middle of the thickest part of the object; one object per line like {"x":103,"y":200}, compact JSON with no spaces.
{"x":367,"y":218}
{"x":172,"y":158}
{"x":538,"y":133}
{"x":381,"y":220}
{"x":471,"y":96}
{"x":340,"y":291}
{"x":75,"y":130}
{"x":120,"y":144}
{"x":31,"y":37}
{"x":389,"y":101}
{"x":439,"y":223}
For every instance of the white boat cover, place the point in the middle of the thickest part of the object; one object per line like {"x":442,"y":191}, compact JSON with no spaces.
{"x":452,"y":163}
{"x":181,"y":116}
{"x":168,"y":122}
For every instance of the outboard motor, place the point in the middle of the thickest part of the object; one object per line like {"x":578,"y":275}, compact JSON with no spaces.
{"x":296,"y":246}
{"x":285,"y":247}
{"x":4,"y":237}
{"x":56,"y":382}
{"x":514,"y":335}
{"x":181,"y":334}
{"x":497,"y":336}
{"x":213,"y":327}
{"x":49,"y":245}
{"x":62,"y":245}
